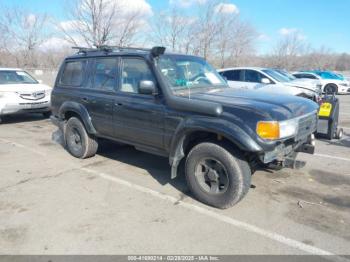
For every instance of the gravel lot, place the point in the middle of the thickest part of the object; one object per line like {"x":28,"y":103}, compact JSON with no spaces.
{"x":123,"y":201}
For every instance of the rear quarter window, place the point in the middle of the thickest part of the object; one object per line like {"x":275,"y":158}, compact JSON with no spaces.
{"x":72,"y":73}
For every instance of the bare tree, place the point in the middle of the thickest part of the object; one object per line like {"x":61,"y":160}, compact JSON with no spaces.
{"x":243,"y":44}
{"x":170,"y":29}
{"x":100,"y":22}
{"x":225,"y":36}
{"x":207,"y":28}
{"x":22,"y":32}
{"x":288,"y":49}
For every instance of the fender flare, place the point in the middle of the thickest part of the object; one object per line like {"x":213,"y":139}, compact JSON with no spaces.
{"x":229,"y":130}
{"x":80,"y":110}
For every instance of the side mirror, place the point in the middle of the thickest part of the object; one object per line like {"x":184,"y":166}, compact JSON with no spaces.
{"x":147,"y":87}
{"x":265,"y":80}
{"x":40,"y":81}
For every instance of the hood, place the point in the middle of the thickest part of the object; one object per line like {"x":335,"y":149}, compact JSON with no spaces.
{"x":24,"y":88}
{"x":279,"y":89}
{"x":310,"y":85}
{"x":268,"y":106}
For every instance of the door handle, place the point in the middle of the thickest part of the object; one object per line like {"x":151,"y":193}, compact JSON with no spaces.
{"x":119,"y":104}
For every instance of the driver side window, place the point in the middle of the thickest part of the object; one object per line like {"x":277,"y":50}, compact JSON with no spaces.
{"x":134,"y":70}
{"x":253,"y":76}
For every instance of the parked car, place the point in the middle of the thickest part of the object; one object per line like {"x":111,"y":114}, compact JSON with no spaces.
{"x":331,"y":83}
{"x":313,"y":82}
{"x":268,"y":80}
{"x":179,"y":107}
{"x":22,"y":93}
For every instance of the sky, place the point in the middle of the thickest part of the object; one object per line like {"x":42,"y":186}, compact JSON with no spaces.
{"x":321,"y":23}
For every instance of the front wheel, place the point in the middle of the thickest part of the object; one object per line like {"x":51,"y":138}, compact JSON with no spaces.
{"x":79,"y":143}
{"x":216,"y":175}
{"x":331,"y":89}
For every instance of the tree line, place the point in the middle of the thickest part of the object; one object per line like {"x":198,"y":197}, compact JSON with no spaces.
{"x":33,"y":40}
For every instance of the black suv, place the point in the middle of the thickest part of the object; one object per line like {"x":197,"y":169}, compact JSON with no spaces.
{"x":178,"y":106}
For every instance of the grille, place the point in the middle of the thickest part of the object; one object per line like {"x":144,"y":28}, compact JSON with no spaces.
{"x":33,"y":96}
{"x":35,"y":103}
{"x":307,"y":125}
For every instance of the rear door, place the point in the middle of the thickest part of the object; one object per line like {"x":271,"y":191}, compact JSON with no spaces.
{"x":100,"y":93}
{"x":90,"y":82}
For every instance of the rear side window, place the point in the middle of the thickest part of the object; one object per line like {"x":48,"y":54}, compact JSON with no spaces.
{"x":72,"y":74}
{"x":105,"y":73}
{"x":232,"y":75}
{"x":305,"y":76}
{"x":309,"y":76}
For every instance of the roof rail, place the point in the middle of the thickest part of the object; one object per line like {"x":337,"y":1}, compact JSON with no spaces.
{"x":155,"y":51}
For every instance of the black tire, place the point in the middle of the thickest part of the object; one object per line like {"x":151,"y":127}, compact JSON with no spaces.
{"x":47,"y":114}
{"x":233,"y":186}
{"x":78,"y":142}
{"x":331,"y":89}
{"x":339,"y":134}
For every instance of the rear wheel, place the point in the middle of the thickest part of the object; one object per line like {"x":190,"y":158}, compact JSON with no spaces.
{"x":79,"y":143}
{"x":216,"y":175}
{"x":331,"y":89}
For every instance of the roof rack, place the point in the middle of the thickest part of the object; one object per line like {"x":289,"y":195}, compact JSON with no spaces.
{"x":155,"y":51}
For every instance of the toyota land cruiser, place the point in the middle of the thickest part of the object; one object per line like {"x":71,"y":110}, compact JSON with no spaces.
{"x":179,"y":107}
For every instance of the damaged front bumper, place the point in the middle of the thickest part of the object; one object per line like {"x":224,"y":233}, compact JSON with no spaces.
{"x":284,"y":155}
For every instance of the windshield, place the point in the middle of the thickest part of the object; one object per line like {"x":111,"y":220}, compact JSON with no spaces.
{"x":328,"y":75}
{"x":188,"y":72}
{"x":276,"y":75}
{"x":16,"y":77}
{"x":285,"y":73}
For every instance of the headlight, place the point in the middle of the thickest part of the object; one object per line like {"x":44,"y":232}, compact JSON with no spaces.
{"x":272,"y":130}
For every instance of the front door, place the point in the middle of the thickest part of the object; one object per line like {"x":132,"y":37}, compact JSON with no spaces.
{"x":253,"y":79}
{"x":141,"y":116}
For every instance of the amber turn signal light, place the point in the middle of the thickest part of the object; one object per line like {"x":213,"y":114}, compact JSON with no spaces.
{"x":268,"y":130}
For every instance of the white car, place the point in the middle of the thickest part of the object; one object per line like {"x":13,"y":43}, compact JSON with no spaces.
{"x":330,"y":83}
{"x":22,"y":93}
{"x":269,"y":80}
